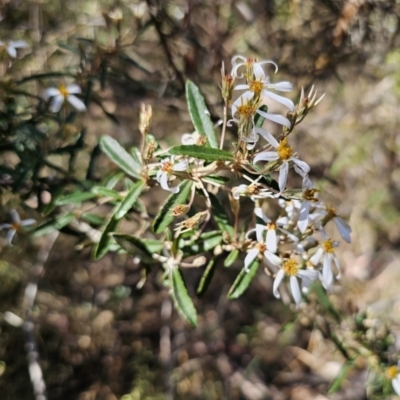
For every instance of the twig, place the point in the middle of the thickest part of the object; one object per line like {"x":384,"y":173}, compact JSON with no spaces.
{"x":35,"y":371}
{"x":221,"y":145}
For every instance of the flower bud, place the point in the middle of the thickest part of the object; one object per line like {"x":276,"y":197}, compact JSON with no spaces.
{"x":145,"y":118}
{"x":180,"y":209}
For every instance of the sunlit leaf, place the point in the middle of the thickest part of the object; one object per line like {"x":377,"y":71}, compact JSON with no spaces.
{"x":232,"y":257}
{"x":165,"y":217}
{"x":199,"y":114}
{"x":206,"y":277}
{"x":129,"y":199}
{"x":117,"y":154}
{"x":138,"y":247}
{"x":202,"y":153}
{"x":74,"y":198}
{"x":55,"y":225}
{"x":182,"y":300}
{"x":105,"y":240}
{"x":243,"y":280}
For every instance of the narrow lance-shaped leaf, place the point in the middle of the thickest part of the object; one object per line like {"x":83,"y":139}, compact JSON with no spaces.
{"x":165,"y":217}
{"x":219,"y":214}
{"x":138,"y":247}
{"x":243,"y":280}
{"x":129,"y":200}
{"x":74,"y":198}
{"x":232,"y":257}
{"x":57,"y":224}
{"x":202,"y":153}
{"x":105,"y":240}
{"x":206,"y":277}
{"x":181,"y":297}
{"x":199,"y":114}
{"x":118,"y":155}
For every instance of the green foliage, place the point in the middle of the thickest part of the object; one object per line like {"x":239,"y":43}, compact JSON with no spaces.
{"x":243,"y":280}
{"x":202,"y":153}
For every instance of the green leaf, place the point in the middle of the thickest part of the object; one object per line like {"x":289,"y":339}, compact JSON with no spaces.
{"x":181,"y":297}
{"x":105,"y":192}
{"x":138,"y":247}
{"x":337,"y":383}
{"x":220,"y":216}
{"x":221,"y":180}
{"x":165,"y":217}
{"x":74,"y":198}
{"x":105,"y":240}
{"x":206,"y":277}
{"x":110,"y":181}
{"x":243,"y":280}
{"x":93,"y":219}
{"x":232,"y":257}
{"x":129,"y":200}
{"x":118,"y":155}
{"x":258,"y":119}
{"x":211,"y":239}
{"x":54,"y":225}
{"x":199,"y":114}
{"x":202,"y":153}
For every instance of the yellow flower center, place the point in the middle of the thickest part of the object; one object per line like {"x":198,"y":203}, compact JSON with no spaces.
{"x":284,"y":151}
{"x":167,"y":167}
{"x":290,"y":267}
{"x":331,"y":212}
{"x":253,"y":189}
{"x":246,"y":110}
{"x":261,"y":247}
{"x":256,"y":87}
{"x":392,"y":372}
{"x":327,"y":245}
{"x":309,"y":194}
{"x":63,"y":90}
{"x":16,"y":226}
{"x":271,"y":226}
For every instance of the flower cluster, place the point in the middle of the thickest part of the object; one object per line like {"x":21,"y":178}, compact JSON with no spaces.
{"x":289,"y":245}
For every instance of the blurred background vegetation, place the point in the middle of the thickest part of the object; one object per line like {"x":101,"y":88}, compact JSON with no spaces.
{"x":100,"y":335}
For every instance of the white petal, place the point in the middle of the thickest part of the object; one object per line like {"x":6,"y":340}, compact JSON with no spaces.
{"x":181,"y":166}
{"x":283,"y":174}
{"x":277,"y":282}
{"x":396,"y":385}
{"x":294,"y":286}
{"x":258,"y":72}
{"x":56,"y":103}
{"x":337,"y":263}
{"x":76,"y":103}
{"x":267,"y":136}
{"x":327,"y":275}
{"x":272,"y":258}
{"x":279,"y":119}
{"x":303,"y":218}
{"x":262,"y":62}
{"x":260,"y":214}
{"x":307,"y":184}
{"x":260,"y":233}
{"x":15,"y":216}
{"x":271,"y":240}
{"x":317,"y":256}
{"x":50,"y":92}
{"x":282,"y":86}
{"x":10,"y":235}
{"x":19,"y":44}
{"x":5,"y":226}
{"x":188,"y":139}
{"x":266,"y":156}
{"x":343,"y":228}
{"x":241,"y":87}
{"x":250,"y":257}
{"x":27,"y":222}
{"x":164,"y":183}
{"x":280,"y":99}
{"x":12,"y":52}
{"x":301,"y":167}
{"x":74,"y":88}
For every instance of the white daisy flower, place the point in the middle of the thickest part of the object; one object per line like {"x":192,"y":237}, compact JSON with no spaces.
{"x":308,"y":197}
{"x":12,"y":46}
{"x":326,"y":253}
{"x":168,"y":167}
{"x":62,"y":93}
{"x":16,"y":225}
{"x":253,"y":191}
{"x":284,"y":154}
{"x":342,"y":226}
{"x":292,"y":269}
{"x":259,"y":86}
{"x":393,"y":373}
{"x":260,"y":248}
{"x":272,"y":227}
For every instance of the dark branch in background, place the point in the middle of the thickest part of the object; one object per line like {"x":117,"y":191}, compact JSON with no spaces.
{"x":164,"y":42}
